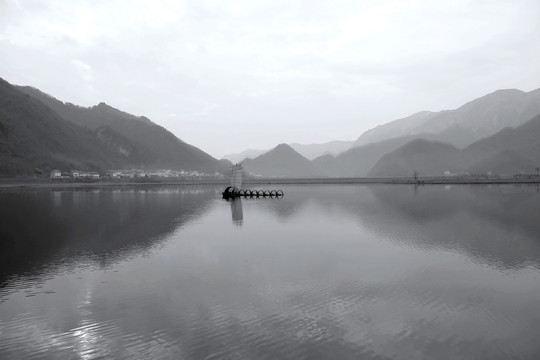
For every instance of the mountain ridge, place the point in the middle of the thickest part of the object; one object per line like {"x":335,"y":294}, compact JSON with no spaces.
{"x":281,"y":161}
{"x":480,"y":117}
{"x":507,"y":152}
{"x":34,"y":137}
{"x":40,"y":132}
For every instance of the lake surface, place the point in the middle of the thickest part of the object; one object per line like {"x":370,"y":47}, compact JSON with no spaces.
{"x":327,"y":272}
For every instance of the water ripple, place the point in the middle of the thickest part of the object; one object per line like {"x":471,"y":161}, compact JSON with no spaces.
{"x":354,"y":274}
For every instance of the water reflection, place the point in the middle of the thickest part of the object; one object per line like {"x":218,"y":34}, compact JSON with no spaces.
{"x":236,"y":211}
{"x":477,"y":220}
{"x":100,"y":226}
{"x":347,"y":272}
{"x":497,"y":225}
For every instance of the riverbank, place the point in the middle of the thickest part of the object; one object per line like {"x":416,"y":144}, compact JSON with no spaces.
{"x":47,"y":183}
{"x":398,"y":180}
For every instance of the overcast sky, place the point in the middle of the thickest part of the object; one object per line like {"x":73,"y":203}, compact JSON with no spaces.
{"x":230,"y":75}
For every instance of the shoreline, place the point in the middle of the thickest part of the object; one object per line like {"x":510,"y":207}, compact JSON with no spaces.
{"x":8,"y":183}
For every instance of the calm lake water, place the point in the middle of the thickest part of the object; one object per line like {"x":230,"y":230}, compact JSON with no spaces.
{"x":327,"y":272}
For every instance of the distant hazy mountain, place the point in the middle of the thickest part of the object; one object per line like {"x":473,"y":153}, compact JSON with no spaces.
{"x":471,"y":122}
{"x":358,"y":161}
{"x":312,"y":151}
{"x":246,"y":154}
{"x":282,"y":161}
{"x":420,"y":155}
{"x":309,"y":151}
{"x":398,"y":128}
{"x":140,"y":142}
{"x":461,"y":127}
{"x":507,"y":152}
{"x":506,"y":162}
{"x":330,"y":167}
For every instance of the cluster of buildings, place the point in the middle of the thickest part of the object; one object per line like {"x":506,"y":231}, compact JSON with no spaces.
{"x":129,"y":174}
{"x":74,"y":174}
{"x":137,"y":174}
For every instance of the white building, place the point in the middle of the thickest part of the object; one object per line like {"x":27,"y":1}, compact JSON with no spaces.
{"x":56,"y":174}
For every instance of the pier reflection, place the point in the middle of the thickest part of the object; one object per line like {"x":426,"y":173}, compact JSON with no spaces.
{"x":237,"y":211}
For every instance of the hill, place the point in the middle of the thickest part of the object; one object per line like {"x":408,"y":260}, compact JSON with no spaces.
{"x":309,"y":151}
{"x":282,"y":161}
{"x":421,"y":156}
{"x":358,"y":161}
{"x":38,"y":131}
{"x":397,"y":128}
{"x":33,"y":136}
{"x":473,"y":121}
{"x":509,"y":151}
{"x":142,"y":143}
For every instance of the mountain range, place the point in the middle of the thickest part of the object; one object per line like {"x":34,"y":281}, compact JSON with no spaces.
{"x":309,"y":151}
{"x":509,"y":151}
{"x":495,"y":133}
{"x":38,"y":131}
{"x":471,"y":122}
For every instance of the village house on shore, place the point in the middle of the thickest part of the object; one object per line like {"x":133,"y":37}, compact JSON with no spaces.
{"x":75,"y":174}
{"x":130,"y":174}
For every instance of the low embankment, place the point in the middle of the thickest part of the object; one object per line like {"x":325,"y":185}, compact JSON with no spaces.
{"x":45,"y":183}
{"x":398,"y":180}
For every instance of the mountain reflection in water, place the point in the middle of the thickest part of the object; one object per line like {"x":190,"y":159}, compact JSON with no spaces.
{"x":327,"y":272}
{"x":101,"y":226}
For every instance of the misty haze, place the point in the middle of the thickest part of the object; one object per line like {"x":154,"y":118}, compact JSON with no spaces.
{"x":269,"y":180}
